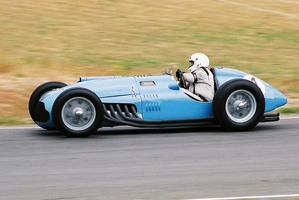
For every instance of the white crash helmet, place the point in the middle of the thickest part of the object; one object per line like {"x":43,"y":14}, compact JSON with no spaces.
{"x":198,"y":60}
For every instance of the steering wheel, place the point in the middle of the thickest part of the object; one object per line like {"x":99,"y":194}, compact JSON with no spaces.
{"x":182,"y":81}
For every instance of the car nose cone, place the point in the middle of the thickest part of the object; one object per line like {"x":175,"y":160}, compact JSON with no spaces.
{"x":279,"y":98}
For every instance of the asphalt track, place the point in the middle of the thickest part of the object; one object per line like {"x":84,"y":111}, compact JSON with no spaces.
{"x":130,"y":163}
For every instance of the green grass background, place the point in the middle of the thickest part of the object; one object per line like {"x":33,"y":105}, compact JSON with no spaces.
{"x":63,"y":40}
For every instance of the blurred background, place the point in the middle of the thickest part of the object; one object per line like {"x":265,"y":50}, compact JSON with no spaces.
{"x":62,"y":40}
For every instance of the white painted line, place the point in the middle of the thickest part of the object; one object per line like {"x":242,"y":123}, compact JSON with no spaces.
{"x":19,"y":127}
{"x":293,"y":16}
{"x":289,"y":117}
{"x":251,"y":197}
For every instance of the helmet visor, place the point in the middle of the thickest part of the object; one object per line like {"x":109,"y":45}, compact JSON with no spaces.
{"x":191,"y":63}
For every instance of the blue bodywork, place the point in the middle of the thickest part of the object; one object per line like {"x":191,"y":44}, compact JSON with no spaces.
{"x":158,"y":97}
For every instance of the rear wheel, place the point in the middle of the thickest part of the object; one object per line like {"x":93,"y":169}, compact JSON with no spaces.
{"x":77,"y":112}
{"x":238,"y":105}
{"x":38,"y":93}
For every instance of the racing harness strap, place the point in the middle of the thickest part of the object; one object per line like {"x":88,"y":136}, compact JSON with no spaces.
{"x":196,"y":79}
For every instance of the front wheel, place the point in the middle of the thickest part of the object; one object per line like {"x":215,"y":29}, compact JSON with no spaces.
{"x":77,"y":112}
{"x":238,"y":105}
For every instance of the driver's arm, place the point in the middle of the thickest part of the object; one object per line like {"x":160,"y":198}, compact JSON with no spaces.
{"x":188,"y":77}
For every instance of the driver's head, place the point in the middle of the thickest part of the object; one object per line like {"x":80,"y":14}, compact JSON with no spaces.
{"x":198,"y":60}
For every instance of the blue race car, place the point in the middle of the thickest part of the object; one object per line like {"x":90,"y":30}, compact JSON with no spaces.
{"x":80,"y":109}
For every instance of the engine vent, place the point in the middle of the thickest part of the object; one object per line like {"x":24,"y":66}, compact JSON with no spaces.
{"x":120,"y":111}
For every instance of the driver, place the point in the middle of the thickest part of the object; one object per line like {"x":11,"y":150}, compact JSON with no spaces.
{"x":200,"y":78}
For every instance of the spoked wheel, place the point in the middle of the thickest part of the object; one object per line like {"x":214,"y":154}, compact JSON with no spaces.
{"x":78,"y":112}
{"x":238,"y":105}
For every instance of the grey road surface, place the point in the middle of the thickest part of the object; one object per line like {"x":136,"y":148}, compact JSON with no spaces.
{"x":129,"y":163}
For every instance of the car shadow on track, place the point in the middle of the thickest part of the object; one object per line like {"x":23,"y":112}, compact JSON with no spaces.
{"x":127,"y":130}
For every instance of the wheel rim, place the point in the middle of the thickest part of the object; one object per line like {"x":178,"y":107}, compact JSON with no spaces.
{"x":241,"y":106}
{"x":78,"y":113}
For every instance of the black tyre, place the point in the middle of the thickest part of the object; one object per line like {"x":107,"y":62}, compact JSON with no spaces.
{"x":238,"y":105}
{"x":39,"y":92}
{"x":77,"y":112}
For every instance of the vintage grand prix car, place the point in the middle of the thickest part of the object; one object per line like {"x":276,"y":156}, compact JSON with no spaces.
{"x":80,"y":109}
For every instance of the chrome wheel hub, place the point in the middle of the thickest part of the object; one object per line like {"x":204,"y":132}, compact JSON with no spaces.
{"x":240,"y":106}
{"x":78,"y":113}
